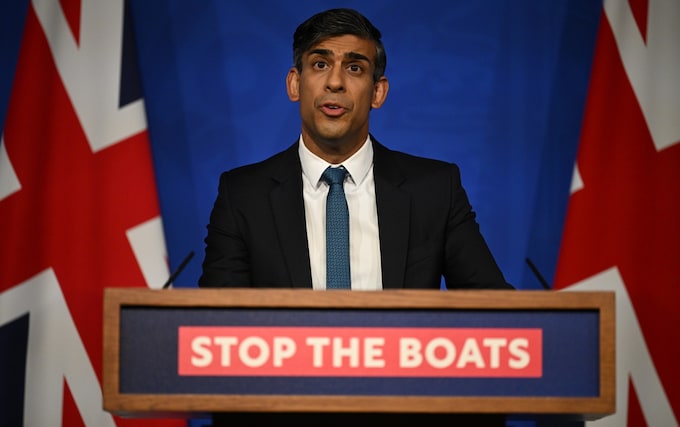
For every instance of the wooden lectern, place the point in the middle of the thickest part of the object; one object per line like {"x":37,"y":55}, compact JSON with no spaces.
{"x":392,"y":355}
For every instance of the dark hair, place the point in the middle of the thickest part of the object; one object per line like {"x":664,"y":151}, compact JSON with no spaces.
{"x":337,"y":22}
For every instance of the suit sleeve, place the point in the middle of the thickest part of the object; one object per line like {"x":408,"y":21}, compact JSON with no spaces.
{"x":469,"y":262}
{"x":226,"y":262}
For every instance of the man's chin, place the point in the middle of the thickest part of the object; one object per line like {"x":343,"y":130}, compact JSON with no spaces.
{"x":333,"y":136}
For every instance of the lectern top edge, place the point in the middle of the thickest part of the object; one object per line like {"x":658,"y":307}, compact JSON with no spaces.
{"x":402,"y":298}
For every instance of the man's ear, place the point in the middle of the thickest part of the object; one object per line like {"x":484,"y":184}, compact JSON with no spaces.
{"x":293,"y":84}
{"x":380,"y":89}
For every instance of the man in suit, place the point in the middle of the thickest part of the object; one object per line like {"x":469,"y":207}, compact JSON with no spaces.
{"x":410,"y":221}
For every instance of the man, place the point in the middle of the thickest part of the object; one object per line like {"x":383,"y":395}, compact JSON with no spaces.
{"x":410,"y":222}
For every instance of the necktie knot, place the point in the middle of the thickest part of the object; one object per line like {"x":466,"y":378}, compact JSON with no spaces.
{"x":334,"y":175}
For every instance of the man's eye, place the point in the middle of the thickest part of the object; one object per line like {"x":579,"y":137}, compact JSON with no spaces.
{"x":320,"y":65}
{"x":355,"y":68}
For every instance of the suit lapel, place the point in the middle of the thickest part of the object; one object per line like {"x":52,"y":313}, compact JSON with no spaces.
{"x":289,"y":215}
{"x":393,"y":217}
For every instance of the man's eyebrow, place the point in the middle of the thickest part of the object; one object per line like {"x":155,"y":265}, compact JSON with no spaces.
{"x":349,"y":55}
{"x":323,"y":52}
{"x":357,"y":56}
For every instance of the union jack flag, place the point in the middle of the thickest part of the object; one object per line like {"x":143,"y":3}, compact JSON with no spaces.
{"x":623,"y":222}
{"x":78,"y":210}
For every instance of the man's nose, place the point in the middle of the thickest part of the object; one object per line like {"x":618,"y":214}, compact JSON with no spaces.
{"x":336,"y":79}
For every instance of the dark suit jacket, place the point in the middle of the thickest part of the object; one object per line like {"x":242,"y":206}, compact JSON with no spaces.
{"x":257,"y":234}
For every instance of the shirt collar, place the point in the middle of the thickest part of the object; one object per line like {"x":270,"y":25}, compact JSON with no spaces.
{"x":358,"y":165}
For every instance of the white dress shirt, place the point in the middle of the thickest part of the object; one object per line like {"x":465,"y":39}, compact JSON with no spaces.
{"x":364,"y":242}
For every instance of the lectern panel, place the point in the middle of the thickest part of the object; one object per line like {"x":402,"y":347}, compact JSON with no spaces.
{"x":189,"y":352}
{"x":360,"y":352}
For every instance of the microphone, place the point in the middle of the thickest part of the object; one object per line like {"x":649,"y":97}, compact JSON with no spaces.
{"x":174,"y":275}
{"x":538,"y":275}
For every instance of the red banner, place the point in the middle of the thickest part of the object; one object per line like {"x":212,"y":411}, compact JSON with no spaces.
{"x":351,"y":351}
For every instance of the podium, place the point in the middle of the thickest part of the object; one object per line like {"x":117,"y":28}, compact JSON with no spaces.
{"x":340,"y":355}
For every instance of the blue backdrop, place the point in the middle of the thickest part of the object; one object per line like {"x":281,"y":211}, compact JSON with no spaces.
{"x":496,"y":86}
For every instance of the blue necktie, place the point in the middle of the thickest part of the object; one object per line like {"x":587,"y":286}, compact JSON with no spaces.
{"x":337,"y":230}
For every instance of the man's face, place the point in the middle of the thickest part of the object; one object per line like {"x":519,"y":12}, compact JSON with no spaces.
{"x":336,"y":92}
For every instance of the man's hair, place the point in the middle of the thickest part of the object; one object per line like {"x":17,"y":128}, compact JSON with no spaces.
{"x":338,"y":22}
